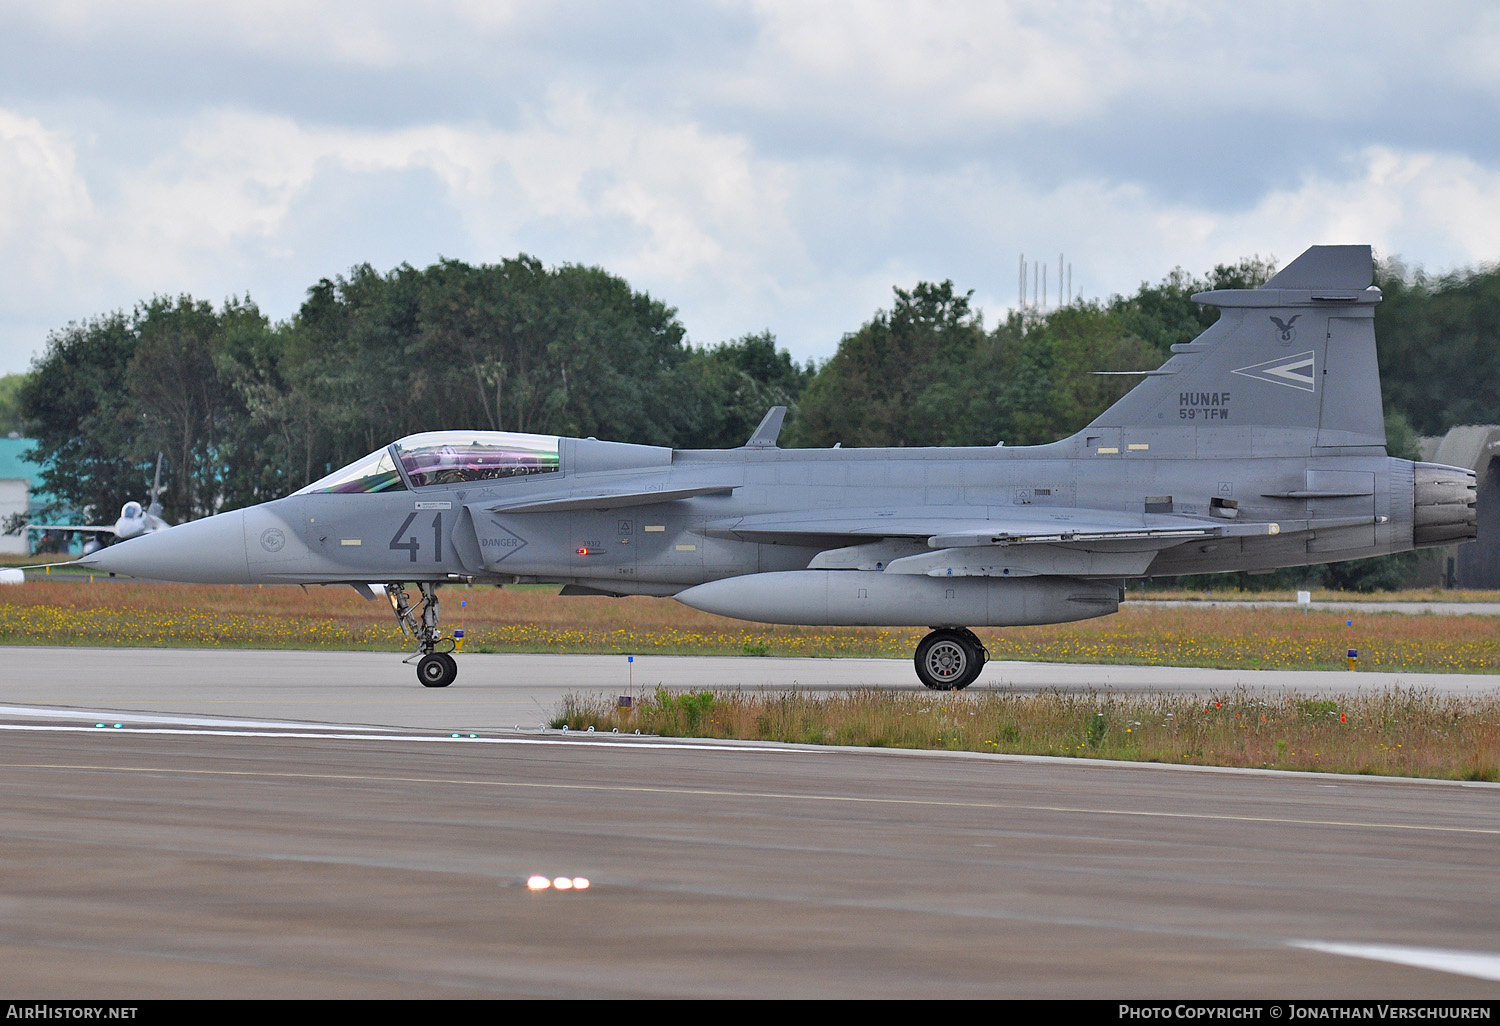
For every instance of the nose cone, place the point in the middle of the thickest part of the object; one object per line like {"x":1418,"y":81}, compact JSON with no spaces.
{"x":208,"y":551}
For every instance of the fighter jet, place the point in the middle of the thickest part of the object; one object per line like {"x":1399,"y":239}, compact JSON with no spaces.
{"x":1260,"y":444}
{"x":134,"y":519}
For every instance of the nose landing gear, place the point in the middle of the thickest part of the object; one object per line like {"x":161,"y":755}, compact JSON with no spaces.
{"x":950,"y":658}
{"x":437,"y":670}
{"x":436,"y":667}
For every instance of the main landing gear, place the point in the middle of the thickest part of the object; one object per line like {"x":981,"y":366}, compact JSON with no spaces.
{"x":950,"y":658}
{"x":436,"y":667}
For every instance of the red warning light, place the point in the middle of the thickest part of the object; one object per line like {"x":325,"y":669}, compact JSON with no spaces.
{"x":583,"y":550}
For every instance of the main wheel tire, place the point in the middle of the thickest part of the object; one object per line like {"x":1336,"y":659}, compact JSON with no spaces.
{"x":946,"y":660}
{"x":437,"y":670}
{"x":976,"y":645}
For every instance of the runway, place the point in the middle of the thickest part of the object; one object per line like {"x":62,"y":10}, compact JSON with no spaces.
{"x":503,"y":692}
{"x":306,"y":825}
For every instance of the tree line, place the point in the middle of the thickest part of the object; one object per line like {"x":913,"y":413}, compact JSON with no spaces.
{"x":928,"y":372}
{"x":246,"y":410}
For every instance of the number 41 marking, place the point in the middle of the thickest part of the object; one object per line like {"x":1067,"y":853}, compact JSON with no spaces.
{"x":412,"y":546}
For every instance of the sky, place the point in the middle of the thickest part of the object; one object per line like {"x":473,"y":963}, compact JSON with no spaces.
{"x":759,"y":165}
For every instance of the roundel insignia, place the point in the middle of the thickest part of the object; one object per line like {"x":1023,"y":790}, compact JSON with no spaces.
{"x":272,"y":540}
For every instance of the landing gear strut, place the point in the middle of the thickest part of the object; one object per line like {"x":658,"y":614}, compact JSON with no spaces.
{"x":436,"y":668}
{"x":950,"y":658}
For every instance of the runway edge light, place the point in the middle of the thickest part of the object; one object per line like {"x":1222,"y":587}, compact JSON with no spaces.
{"x":627,"y":700}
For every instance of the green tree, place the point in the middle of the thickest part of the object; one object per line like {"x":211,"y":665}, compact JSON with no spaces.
{"x":80,"y":416}
{"x":899,"y":380}
{"x":737,"y":382}
{"x":512,"y":346}
{"x":928,"y":374}
{"x":1435,"y":333}
{"x":10,"y":404}
{"x":266,"y":444}
{"x":178,"y":402}
{"x":1164,"y":314}
{"x":106,"y":396}
{"x":1043,"y":369}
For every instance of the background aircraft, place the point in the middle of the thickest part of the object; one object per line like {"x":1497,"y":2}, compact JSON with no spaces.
{"x":1260,"y":444}
{"x":134,"y":521}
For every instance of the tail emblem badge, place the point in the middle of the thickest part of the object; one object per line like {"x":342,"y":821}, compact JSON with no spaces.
{"x":1284,"y":330}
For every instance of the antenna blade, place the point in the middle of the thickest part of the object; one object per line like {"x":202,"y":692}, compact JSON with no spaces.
{"x":770,"y":427}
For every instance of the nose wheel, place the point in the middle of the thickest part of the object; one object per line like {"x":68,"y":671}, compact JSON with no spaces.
{"x":437,"y":670}
{"x":436,"y":667}
{"x":949,"y":659}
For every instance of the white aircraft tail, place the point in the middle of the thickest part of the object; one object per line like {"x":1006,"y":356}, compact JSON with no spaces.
{"x":154,"y":509}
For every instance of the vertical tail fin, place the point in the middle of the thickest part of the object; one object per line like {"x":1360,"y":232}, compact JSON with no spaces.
{"x":154,"y":509}
{"x":1288,"y":368}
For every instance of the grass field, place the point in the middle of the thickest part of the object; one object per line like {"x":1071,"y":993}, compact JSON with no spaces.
{"x":537,"y":619}
{"x":1138,"y":594}
{"x":1138,"y":591}
{"x":1398,"y":732}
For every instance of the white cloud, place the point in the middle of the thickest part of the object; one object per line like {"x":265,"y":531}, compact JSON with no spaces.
{"x":1437,"y":208}
{"x":43,"y":202}
{"x":234,"y":177}
{"x":1443,"y":206}
{"x":684,"y":207}
{"x":759,"y":164}
{"x":894,"y":69}
{"x":693,"y":215}
{"x":910,"y":71}
{"x":344,"y":32}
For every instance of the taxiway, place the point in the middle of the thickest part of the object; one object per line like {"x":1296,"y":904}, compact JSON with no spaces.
{"x":307,"y":825}
{"x":502,"y":692}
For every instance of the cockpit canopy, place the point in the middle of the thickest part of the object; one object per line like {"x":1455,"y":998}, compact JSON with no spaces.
{"x":444,"y":457}
{"x":374,"y":473}
{"x":453,"y":457}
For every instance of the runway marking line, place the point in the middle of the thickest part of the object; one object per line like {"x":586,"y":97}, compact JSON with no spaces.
{"x":776,"y":795}
{"x":579,"y":737}
{"x":1481,"y":965}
